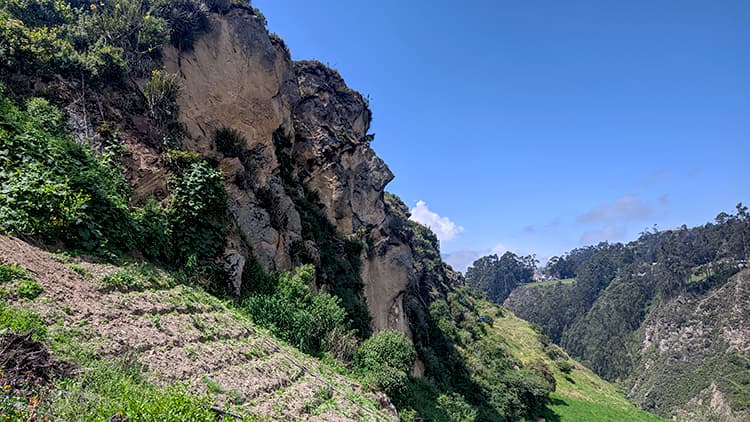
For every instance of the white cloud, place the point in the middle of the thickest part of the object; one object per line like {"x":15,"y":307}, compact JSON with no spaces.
{"x":499,"y":250}
{"x":628,"y":207}
{"x":444,"y":228}
{"x":606,"y":233}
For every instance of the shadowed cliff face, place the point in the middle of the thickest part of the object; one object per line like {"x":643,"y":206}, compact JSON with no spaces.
{"x":238,"y":77}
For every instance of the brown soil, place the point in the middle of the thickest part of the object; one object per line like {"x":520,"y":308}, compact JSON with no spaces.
{"x":184,"y":335}
{"x":27,"y":365}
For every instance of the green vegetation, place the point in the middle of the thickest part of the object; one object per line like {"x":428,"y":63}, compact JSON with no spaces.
{"x":579,"y":394}
{"x":56,"y":189}
{"x":497,"y":277}
{"x":53,"y":188}
{"x":106,"y":389}
{"x":469,"y":371}
{"x":315,"y":323}
{"x":139,"y":277}
{"x":386,"y":359}
{"x":11,"y":272}
{"x":599,"y":318}
{"x":549,"y":283}
{"x":338,"y":262}
{"x":22,"y":321}
{"x":29,"y":289}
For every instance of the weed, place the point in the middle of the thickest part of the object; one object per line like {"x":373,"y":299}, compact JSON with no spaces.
{"x":10,"y":272}
{"x":29,"y":289}
{"x":156,"y":320}
{"x":22,"y":321}
{"x":80,"y":270}
{"x":212,"y":386}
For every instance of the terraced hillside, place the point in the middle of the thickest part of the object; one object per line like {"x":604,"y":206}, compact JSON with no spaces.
{"x":180,"y":334}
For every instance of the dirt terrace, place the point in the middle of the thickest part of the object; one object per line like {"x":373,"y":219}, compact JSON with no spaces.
{"x":182,"y":334}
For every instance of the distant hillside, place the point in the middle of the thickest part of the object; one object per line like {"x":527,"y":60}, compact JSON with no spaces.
{"x":664,"y":316}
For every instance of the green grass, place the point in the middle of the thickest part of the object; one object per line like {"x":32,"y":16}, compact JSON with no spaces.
{"x":139,"y":277}
{"x":580,"y":395}
{"x":105,"y":389}
{"x":22,"y":321}
{"x":549,"y":283}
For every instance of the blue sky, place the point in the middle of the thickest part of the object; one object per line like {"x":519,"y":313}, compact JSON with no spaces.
{"x":541,"y":126}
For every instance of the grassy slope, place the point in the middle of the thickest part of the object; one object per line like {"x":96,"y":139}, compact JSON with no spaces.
{"x":581,"y":395}
{"x":134,"y":331}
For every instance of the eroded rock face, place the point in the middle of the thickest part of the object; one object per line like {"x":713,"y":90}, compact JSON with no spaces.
{"x":331,"y":123}
{"x":689,"y":341}
{"x":332,"y":146}
{"x":237,"y":77}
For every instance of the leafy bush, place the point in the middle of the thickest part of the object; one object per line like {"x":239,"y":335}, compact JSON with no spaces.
{"x":154,"y":232}
{"x":30,"y":289}
{"x":33,"y":51}
{"x":58,"y":190}
{"x":37,"y":13}
{"x":456,"y":407}
{"x":197,"y":211}
{"x":54,"y":188}
{"x":386,"y":358}
{"x":297,"y":315}
{"x":187,"y":20}
{"x":10,"y":272}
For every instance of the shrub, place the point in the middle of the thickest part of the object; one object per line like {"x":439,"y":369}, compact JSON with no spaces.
{"x":33,"y":51}
{"x":10,"y":272}
{"x":104,"y":62}
{"x":56,"y":189}
{"x":297,"y":315}
{"x":30,"y":289}
{"x":154,"y":232}
{"x":564,"y":366}
{"x":197,"y":211}
{"x":187,"y":20}
{"x":542,"y":370}
{"x":386,"y":358}
{"x":456,"y":408}
{"x":229,"y":142}
{"x":37,"y":13}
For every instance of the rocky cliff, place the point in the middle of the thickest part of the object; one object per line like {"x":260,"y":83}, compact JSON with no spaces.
{"x":694,"y":355}
{"x":303,"y":131}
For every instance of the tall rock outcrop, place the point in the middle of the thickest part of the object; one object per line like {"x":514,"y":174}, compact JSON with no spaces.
{"x":303,"y":129}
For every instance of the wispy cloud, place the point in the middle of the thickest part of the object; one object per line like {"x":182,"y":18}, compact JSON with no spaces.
{"x":444,"y":228}
{"x":542,"y":228}
{"x":628,"y":207}
{"x":462,"y":260}
{"x":606,"y":233}
{"x":653,"y":178}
